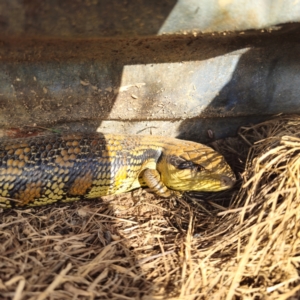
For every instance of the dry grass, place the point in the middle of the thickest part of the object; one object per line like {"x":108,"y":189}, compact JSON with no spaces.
{"x":239,"y":244}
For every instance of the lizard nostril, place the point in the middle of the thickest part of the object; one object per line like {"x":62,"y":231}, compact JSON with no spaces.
{"x":227,"y":181}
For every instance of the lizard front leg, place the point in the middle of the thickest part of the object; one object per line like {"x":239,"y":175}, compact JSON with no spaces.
{"x":152,"y":178}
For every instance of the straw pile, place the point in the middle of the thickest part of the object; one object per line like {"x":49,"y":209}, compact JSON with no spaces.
{"x":241,"y":244}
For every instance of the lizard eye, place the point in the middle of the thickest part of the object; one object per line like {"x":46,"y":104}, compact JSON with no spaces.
{"x":199,"y":168}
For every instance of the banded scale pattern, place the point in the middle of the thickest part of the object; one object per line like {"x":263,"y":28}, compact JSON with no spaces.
{"x":46,"y":169}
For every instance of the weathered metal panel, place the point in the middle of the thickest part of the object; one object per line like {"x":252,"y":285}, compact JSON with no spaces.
{"x":180,"y":84}
{"x":107,"y":66}
{"x":107,"y":18}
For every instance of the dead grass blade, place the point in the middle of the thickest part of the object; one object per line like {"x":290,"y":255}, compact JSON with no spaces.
{"x":238,"y":244}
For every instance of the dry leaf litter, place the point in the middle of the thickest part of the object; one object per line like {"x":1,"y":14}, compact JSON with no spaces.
{"x":238,"y":244}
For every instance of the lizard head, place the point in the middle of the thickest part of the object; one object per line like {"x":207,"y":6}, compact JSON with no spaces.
{"x":195,"y":167}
